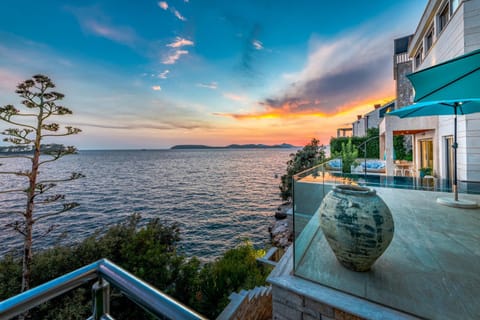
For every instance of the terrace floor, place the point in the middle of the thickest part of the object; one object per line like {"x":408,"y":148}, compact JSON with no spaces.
{"x":430,"y":270}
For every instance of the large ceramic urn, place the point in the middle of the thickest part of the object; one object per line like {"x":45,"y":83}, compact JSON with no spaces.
{"x":357,"y":224}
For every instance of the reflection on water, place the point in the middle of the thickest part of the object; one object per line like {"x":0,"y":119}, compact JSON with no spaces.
{"x":400,"y":182}
{"x":218,"y":197}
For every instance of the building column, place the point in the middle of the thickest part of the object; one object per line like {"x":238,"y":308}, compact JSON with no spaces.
{"x":389,"y":152}
{"x":382,"y":146}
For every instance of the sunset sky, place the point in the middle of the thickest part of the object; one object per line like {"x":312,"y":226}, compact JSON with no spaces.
{"x":152,"y":74}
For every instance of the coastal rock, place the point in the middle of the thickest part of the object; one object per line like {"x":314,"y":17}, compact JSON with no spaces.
{"x":280,"y":234}
{"x":282,"y":210}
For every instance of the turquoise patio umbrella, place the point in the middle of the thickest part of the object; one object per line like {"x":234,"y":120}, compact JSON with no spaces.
{"x":449,"y":88}
{"x":455,"y":79}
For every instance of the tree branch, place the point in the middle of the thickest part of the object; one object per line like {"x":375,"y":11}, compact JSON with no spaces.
{"x":55,"y":156}
{"x":66,"y":207}
{"x":17,"y":173}
{"x":42,"y":188}
{"x":17,"y":226}
{"x":14,"y":157}
{"x":50,"y":229}
{"x":16,"y":123}
{"x":70,"y":131}
{"x":26,"y":115}
{"x":53,"y":198}
{"x":58,"y":135}
{"x":73,"y":176}
{"x":12,"y":191}
{"x":21,"y":213}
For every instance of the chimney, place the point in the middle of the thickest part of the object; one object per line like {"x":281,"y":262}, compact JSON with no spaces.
{"x":376,"y":106}
{"x":359,"y":117}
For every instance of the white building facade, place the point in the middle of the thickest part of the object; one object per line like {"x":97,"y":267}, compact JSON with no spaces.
{"x":447,"y":29}
{"x":371,"y":119}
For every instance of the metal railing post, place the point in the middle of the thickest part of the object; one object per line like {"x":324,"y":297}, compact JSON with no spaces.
{"x":101,"y":299}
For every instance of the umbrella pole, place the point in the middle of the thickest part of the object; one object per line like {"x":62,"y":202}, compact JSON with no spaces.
{"x":455,"y":145}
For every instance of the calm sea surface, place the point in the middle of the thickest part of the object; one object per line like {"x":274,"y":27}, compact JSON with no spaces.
{"x":218,"y":197}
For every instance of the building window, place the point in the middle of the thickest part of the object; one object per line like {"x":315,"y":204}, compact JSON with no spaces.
{"x":443,"y":18}
{"x":418,"y":57}
{"x":429,"y":40}
{"x":455,"y":4}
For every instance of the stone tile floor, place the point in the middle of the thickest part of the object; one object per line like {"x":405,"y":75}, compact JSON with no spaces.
{"x":430,"y":270}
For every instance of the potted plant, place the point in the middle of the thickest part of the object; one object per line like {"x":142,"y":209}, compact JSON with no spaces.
{"x":427,"y":171}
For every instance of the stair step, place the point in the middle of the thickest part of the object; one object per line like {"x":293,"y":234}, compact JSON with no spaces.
{"x":251,"y":294}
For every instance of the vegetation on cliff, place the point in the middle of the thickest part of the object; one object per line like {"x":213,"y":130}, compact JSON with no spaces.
{"x":150,"y":253}
{"x":311,"y":155}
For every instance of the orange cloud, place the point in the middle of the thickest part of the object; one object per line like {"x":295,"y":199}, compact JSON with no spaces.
{"x":277,"y":125}
{"x":301,"y":109}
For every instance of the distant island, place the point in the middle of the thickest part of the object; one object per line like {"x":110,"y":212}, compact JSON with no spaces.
{"x":234,"y":146}
{"x":44,"y":148}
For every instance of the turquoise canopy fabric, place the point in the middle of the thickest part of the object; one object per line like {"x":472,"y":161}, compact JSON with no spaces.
{"x":455,"y":79}
{"x":439,"y":108}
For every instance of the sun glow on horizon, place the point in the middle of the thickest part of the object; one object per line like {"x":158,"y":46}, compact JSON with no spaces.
{"x":172,"y":75}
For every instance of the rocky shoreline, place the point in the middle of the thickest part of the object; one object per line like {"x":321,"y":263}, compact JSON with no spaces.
{"x":281,"y":234}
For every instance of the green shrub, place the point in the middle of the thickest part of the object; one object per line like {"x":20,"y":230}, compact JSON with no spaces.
{"x":237,"y":269}
{"x":372,"y":146}
{"x":311,"y":155}
{"x":150,"y":254}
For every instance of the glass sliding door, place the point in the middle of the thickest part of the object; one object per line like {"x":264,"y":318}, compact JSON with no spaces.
{"x":449,"y":165}
{"x":426,"y":153}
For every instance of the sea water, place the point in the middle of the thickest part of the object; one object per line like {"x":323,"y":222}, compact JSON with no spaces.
{"x":218,"y":197}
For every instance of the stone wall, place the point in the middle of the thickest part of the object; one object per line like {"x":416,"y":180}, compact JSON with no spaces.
{"x":254,"y":304}
{"x":403,"y":86}
{"x":287,"y":305}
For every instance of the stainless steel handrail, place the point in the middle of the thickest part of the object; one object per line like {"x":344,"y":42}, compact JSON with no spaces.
{"x":149,"y":298}
{"x":24,"y":301}
{"x":144,"y":295}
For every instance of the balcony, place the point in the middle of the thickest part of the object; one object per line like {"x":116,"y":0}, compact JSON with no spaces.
{"x":430,"y":269}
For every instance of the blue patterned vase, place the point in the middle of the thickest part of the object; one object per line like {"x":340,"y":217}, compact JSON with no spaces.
{"x":357,"y":224}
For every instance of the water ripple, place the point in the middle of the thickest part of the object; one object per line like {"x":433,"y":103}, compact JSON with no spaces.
{"x":217,"y":197}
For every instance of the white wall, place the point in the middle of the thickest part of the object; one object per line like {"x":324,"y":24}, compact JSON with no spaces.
{"x":472,"y":140}
{"x":449,"y":43}
{"x":472,"y":25}
{"x":468,"y":139}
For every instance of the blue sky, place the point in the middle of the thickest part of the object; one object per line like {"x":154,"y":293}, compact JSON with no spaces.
{"x":151,"y":74}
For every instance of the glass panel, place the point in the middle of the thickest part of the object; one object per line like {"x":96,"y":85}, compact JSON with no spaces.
{"x":429,"y":40}
{"x":311,"y":186}
{"x":314,"y":260}
{"x":455,"y":4}
{"x":426,"y":153}
{"x":449,"y":157}
{"x":418,"y":57}
{"x":443,"y":18}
